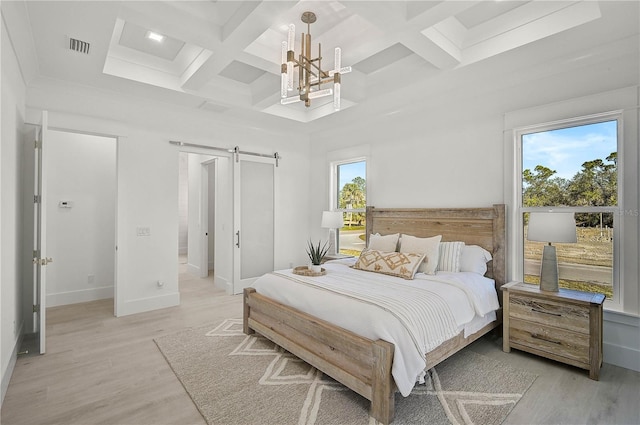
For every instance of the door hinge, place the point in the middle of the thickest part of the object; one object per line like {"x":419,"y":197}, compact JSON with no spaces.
{"x":37,"y":144}
{"x":36,"y":253}
{"x":36,"y":308}
{"x":37,"y":199}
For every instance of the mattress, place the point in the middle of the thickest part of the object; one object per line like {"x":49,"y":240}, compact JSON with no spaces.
{"x":415,"y":315}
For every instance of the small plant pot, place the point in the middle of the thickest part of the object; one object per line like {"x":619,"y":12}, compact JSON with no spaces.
{"x":314,"y":268}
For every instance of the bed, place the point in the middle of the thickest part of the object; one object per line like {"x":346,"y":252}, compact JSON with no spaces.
{"x":365,"y":364}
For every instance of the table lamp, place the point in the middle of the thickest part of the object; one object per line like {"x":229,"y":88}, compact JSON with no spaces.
{"x":551,"y":227}
{"x":332,"y":220}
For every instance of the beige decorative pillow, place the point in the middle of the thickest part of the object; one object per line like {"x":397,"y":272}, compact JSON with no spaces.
{"x":449,"y":257}
{"x":399,"y":264}
{"x":386,"y":243}
{"x":427,"y":246}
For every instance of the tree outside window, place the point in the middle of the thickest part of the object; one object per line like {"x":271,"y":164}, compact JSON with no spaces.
{"x":574,"y":168}
{"x":351,"y":199}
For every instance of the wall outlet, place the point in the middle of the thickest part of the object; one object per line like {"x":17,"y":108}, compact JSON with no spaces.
{"x":91,"y":279}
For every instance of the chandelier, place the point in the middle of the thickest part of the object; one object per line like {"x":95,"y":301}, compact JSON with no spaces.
{"x":311,"y":77}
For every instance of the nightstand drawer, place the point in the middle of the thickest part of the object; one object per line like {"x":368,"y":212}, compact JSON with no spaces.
{"x":561,"y":342}
{"x":558,"y":314}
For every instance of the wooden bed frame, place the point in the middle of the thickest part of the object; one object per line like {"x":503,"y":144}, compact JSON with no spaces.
{"x":362,"y":364}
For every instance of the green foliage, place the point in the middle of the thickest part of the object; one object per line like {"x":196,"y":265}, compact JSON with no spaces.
{"x":317,"y":252}
{"x":353,"y":196}
{"x":595,"y":185}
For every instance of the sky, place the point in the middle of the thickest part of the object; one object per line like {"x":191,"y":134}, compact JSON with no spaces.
{"x":565,"y":150}
{"x":350,"y":171}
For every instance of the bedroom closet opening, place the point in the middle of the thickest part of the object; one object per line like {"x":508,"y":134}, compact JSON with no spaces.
{"x":70,"y":191}
{"x":238,"y":188}
{"x":197,"y":206}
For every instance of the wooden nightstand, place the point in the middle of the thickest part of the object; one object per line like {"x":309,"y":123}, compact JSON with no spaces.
{"x":565,"y":326}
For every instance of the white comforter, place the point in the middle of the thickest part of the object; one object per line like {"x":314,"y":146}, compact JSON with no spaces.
{"x":384,"y":310}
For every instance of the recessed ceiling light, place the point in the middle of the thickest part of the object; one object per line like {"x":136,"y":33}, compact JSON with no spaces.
{"x":155,"y":36}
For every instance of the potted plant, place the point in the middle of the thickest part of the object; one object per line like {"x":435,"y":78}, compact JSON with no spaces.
{"x":316,"y":254}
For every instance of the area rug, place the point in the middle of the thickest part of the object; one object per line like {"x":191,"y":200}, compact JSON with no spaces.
{"x":235,"y":379}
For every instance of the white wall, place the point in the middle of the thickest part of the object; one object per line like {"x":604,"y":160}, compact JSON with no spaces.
{"x":148,"y":183}
{"x":81,"y":238}
{"x":183,"y":204}
{"x":448,"y":152}
{"x":11,"y":207}
{"x":211,"y":174}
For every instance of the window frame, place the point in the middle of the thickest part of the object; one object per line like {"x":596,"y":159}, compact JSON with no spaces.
{"x":616,"y":302}
{"x":335,"y":190}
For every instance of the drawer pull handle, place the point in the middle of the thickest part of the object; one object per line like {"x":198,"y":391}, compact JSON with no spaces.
{"x":536,"y":336}
{"x":546,"y":312}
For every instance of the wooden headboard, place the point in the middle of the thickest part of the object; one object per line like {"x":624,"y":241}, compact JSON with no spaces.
{"x":473,"y":226}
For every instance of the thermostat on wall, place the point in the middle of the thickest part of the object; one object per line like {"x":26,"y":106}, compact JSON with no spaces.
{"x":65,"y":204}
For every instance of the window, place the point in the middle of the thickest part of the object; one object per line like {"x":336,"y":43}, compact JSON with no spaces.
{"x":573,"y":167}
{"x":350,"y":197}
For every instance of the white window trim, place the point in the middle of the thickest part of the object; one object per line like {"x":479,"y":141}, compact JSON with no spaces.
{"x":333,"y":193}
{"x":333,"y":189}
{"x":616,"y":303}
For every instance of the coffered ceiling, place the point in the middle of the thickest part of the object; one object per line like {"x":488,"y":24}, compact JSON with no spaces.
{"x":224,"y":56}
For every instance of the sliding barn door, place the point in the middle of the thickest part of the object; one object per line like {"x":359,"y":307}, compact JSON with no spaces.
{"x":253,"y":201}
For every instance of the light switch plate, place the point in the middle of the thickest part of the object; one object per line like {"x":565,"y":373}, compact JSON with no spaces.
{"x":143,"y":231}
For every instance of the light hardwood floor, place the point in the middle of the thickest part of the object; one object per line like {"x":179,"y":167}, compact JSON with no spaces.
{"x":105,"y":370}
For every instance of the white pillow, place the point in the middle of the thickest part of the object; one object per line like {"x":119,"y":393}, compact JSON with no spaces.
{"x":449,"y":258}
{"x":386,"y":243}
{"x":474,"y":259}
{"x":427,"y":246}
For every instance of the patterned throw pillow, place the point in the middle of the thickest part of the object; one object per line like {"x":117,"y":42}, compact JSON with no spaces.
{"x":449,"y":258}
{"x":401,"y":264}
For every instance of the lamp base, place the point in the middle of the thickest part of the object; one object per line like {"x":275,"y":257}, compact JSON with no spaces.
{"x":332,"y":242}
{"x":549,"y":269}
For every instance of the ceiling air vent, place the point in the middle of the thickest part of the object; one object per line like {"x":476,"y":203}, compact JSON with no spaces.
{"x":79,"y":45}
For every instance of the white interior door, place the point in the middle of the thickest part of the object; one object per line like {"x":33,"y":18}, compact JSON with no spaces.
{"x":40,"y":259}
{"x":253,"y":213}
{"x":204,"y":217}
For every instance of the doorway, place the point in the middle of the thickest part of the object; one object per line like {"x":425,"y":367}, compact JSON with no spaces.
{"x":81,"y":219}
{"x":70,"y":191}
{"x":197,"y":213}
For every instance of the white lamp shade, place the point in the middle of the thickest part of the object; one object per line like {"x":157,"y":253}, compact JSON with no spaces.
{"x":552,"y":227}
{"x":332,"y":220}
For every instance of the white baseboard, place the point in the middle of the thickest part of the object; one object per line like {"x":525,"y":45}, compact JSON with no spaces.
{"x":222,"y":283}
{"x":628,"y":358}
{"x":148,"y":304}
{"x":195,"y":270}
{"x":621,"y":340}
{"x":8,"y":372}
{"x":80,"y":296}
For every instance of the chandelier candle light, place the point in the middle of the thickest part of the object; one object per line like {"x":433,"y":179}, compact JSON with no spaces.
{"x":311,"y":77}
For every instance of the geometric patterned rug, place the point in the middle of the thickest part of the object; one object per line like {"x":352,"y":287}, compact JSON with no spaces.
{"x":234,"y":378}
